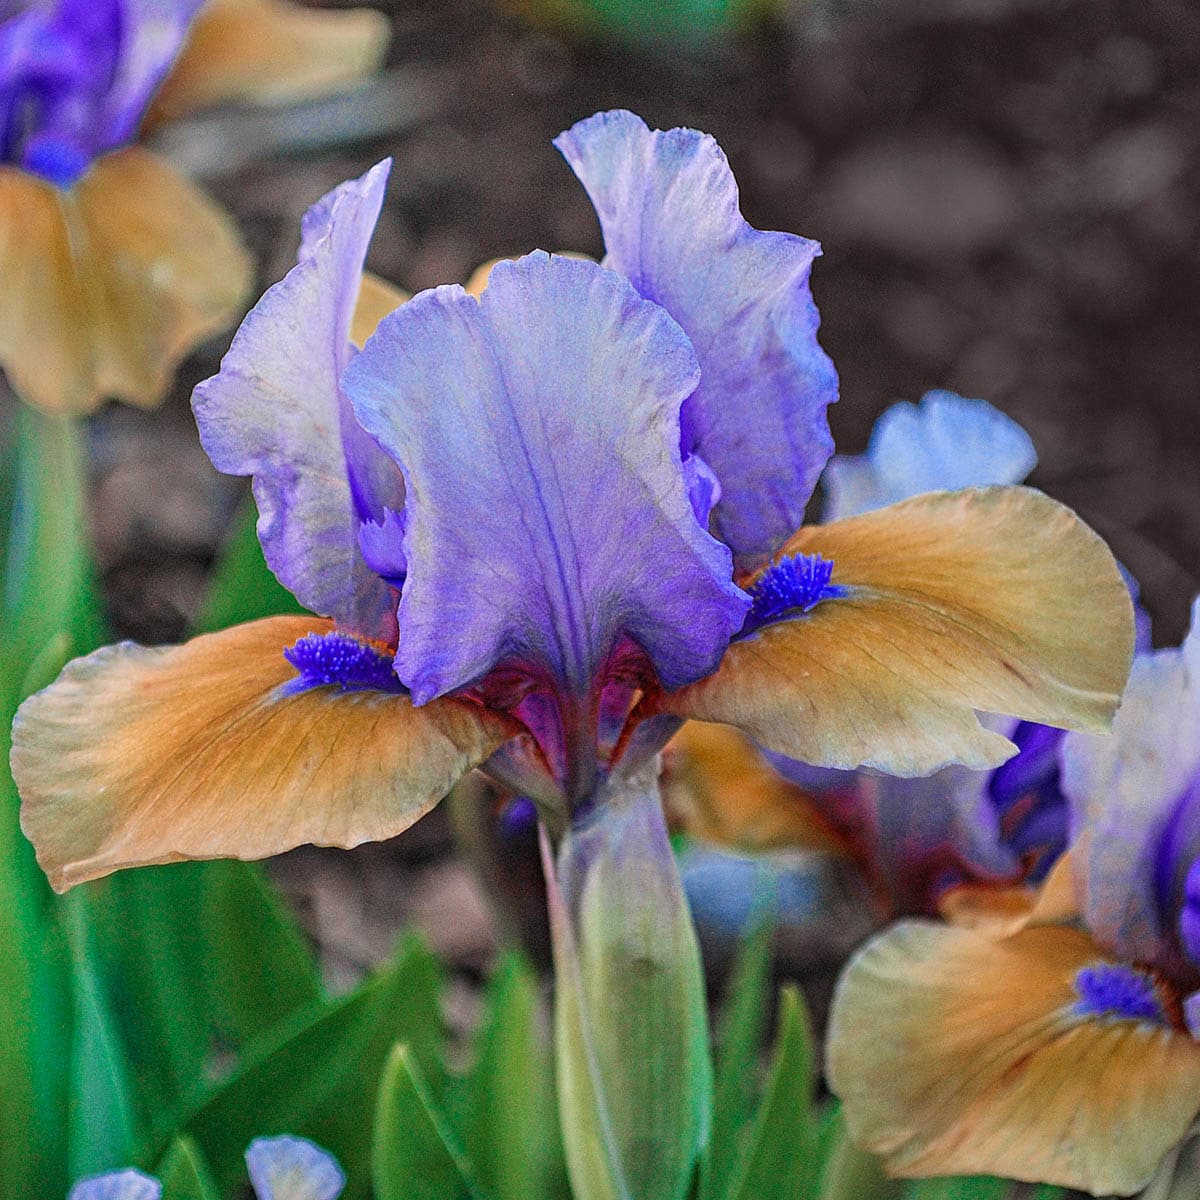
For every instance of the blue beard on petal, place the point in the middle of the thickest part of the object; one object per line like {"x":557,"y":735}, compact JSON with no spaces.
{"x":794,"y":585}
{"x":1117,"y":991}
{"x":341,"y":661}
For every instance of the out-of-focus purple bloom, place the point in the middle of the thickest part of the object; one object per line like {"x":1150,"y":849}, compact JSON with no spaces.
{"x":1135,"y":803}
{"x":281,"y":1168}
{"x":76,"y":77}
{"x":117,"y":1185}
{"x":292,"y":1168}
{"x":1053,"y":1038}
{"x":943,"y":443}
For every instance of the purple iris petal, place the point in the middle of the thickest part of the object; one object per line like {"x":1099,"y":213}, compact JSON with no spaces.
{"x":1189,"y":914}
{"x":292,"y":1168}
{"x":538,"y":429}
{"x":382,"y":546}
{"x":1191,"y":1015}
{"x":1115,"y":990}
{"x":1025,"y":791}
{"x":668,"y":207}
{"x":76,"y":77}
{"x":276,"y":412}
{"x":339,"y":660}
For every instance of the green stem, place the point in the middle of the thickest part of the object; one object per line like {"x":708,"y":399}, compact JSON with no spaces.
{"x":631,"y":1030}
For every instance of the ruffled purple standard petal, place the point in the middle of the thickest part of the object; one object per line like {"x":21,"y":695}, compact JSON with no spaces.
{"x":76,"y":77}
{"x":117,"y":1185}
{"x":547,"y":516}
{"x":292,"y":1168}
{"x":276,"y":412}
{"x":943,"y":443}
{"x":668,"y":207}
{"x":1135,"y":799}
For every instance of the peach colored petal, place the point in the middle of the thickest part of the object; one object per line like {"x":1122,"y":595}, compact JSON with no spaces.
{"x":112,"y":282}
{"x":958,"y":1053}
{"x":1003,"y":911}
{"x":137,"y":756}
{"x":990,"y":599}
{"x":376,"y":298}
{"x":478,"y":280}
{"x":718,"y":787}
{"x":270,"y":51}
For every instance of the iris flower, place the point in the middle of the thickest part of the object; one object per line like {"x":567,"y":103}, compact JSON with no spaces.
{"x":1054,"y":1038}
{"x":912,"y":839}
{"x":544,"y":527}
{"x":281,"y":1168}
{"x":115,"y":265}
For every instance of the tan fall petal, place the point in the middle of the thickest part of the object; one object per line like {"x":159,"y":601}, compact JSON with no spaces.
{"x":990,"y":599}
{"x":719,"y":788}
{"x":112,"y":282}
{"x":270,"y":51}
{"x":1003,"y":911}
{"x":955,"y":1052}
{"x":138,"y":756}
{"x":376,"y":299}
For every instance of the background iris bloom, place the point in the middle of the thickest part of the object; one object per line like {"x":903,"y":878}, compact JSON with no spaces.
{"x":1054,"y":1038}
{"x":281,"y":1168}
{"x":913,"y":839}
{"x":116,"y":265}
{"x":536,"y":523}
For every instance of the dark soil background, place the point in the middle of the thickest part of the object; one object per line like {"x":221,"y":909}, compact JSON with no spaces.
{"x":1008,"y":195}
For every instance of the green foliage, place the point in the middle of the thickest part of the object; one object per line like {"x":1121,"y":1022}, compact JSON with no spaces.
{"x":738,"y":1046}
{"x":652,"y":23}
{"x":184,"y":1173}
{"x":415,"y":1154}
{"x":510,"y":1117}
{"x":129,"y":990}
{"x":318,"y":1076}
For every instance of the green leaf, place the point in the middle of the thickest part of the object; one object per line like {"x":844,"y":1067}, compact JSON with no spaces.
{"x":48,"y":612}
{"x":850,"y":1173}
{"x":242,"y":586}
{"x":35,"y":1045}
{"x":691,"y":23}
{"x":196,"y":960}
{"x":47,"y":560}
{"x":318,"y":1076}
{"x":965,"y":1187}
{"x":414,"y":1153}
{"x":782,"y":1158}
{"x":741,"y":1036}
{"x":103,"y":1124}
{"x":510,"y":1124}
{"x":184,"y":1173}
{"x":631,"y":1030}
